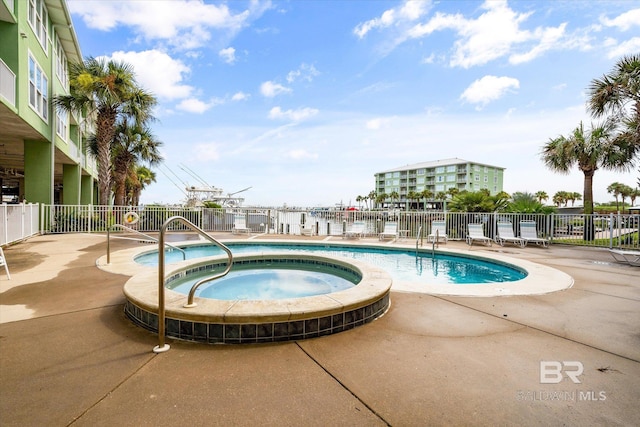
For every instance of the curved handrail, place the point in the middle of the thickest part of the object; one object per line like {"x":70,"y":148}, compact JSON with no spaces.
{"x":146,"y":236}
{"x":161,"y":347}
{"x":418,"y":235}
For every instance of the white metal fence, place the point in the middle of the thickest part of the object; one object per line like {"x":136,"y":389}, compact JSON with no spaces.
{"x":18,"y":221}
{"x":619,"y":231}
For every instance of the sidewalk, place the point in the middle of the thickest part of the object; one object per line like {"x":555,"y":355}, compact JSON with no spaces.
{"x":69,"y":356}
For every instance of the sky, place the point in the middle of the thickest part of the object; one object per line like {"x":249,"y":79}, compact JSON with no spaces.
{"x":305,"y":100}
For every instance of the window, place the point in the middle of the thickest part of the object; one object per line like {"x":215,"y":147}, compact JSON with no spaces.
{"x":476,"y":178}
{"x":61,"y":124}
{"x":486,"y":178}
{"x":38,"y":87}
{"x":421,"y":172}
{"x":495,"y":179}
{"x":396,"y":174}
{"x":61,"y":64}
{"x":440,"y":187}
{"x":451,"y":178}
{"x":451,"y":168}
{"x":440,"y":169}
{"x":38,"y":19}
{"x":440,"y":178}
{"x":420,"y":180}
{"x":476,"y":168}
{"x":486,"y":169}
{"x":388,"y":175}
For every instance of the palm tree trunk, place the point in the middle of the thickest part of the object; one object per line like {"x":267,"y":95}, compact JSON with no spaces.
{"x":589,"y":229}
{"x":104,"y":135}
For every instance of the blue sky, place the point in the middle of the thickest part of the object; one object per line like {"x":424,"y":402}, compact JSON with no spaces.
{"x":305,"y":100}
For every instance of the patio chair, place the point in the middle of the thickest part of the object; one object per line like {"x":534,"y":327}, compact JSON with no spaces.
{"x":438,"y":232}
{"x":307,"y":230}
{"x":477,"y":233}
{"x":240,"y":225}
{"x":529,"y":233}
{"x":3,"y":261}
{"x":505,"y":235}
{"x":355,"y":231}
{"x":390,"y":231}
{"x":627,"y":257}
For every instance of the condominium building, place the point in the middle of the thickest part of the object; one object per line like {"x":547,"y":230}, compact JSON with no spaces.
{"x":439,"y":176}
{"x":42,"y":157}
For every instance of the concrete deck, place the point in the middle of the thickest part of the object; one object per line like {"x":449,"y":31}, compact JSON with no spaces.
{"x":69,"y":356}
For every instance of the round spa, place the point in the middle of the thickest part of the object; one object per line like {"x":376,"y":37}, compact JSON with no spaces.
{"x":280,"y":297}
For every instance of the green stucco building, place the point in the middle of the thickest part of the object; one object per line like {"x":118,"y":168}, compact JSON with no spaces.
{"x":42,"y":156}
{"x":439,"y":176}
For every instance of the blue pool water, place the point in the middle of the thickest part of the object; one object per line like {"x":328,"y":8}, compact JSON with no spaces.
{"x":264,"y":284}
{"x":400,"y":264}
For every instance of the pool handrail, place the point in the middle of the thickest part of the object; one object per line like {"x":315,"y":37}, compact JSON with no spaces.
{"x":147,"y":238}
{"x":162,"y":346}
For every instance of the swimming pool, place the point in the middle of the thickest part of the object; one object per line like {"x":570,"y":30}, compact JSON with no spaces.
{"x":401,"y":264}
{"x":270,"y":282}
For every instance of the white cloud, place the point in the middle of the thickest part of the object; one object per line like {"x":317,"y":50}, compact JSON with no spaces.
{"x":228,"y":55}
{"x":240,"y":96}
{"x":301,"y":154}
{"x":623,"y":21}
{"x":411,"y":10}
{"x":294,"y":115}
{"x":157,"y":72}
{"x":489,"y":88}
{"x":271,"y":89}
{"x":193,"y":105}
{"x":304,"y":72}
{"x":620,"y":49}
{"x":378,"y":123}
{"x":206,"y":152}
{"x":548,"y":38}
{"x":185,"y":24}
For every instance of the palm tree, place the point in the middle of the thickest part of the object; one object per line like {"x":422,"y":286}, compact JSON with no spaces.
{"x":381,"y":198}
{"x":625,"y":191}
{"x":426,"y":195}
{"x":614,"y":188}
{"x":412,"y":195}
{"x":137,"y":182}
{"x":394,"y":196}
{"x":132,"y":145}
{"x":634,"y":194}
{"x":105,"y":92}
{"x":575,"y":196}
{"x":541,"y":195}
{"x":372,"y":197}
{"x":359,"y":200}
{"x":617,"y":94}
{"x":590,"y":151}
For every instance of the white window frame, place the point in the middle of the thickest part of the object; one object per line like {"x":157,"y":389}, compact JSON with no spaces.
{"x":38,"y":18}
{"x":62,"y":70}
{"x":61,"y":124}
{"x":38,"y":89}
{"x":452,"y":168}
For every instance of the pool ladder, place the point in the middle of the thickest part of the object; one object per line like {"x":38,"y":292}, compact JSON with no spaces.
{"x":162,"y":346}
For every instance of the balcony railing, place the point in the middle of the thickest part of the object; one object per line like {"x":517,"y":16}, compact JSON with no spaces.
{"x":7,"y":84}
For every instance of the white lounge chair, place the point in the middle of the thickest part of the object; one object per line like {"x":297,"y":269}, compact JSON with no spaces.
{"x":438,"y":232}
{"x":505,"y":235}
{"x":356,"y":230}
{"x":3,"y":261}
{"x":307,"y":230}
{"x":529,"y":233}
{"x":390,"y":231}
{"x":627,"y":257}
{"x":477,"y":233}
{"x":240,"y":225}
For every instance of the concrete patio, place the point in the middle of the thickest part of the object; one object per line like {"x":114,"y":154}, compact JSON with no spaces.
{"x":69,"y":356}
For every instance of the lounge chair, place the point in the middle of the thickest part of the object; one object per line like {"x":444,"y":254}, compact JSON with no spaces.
{"x":529,"y":233}
{"x":627,"y":257}
{"x":477,"y":233}
{"x":390,"y":231}
{"x":438,"y":232}
{"x":356,"y":230}
{"x":505,"y":235}
{"x":3,"y":261}
{"x":240,"y":225}
{"x":307,"y":230}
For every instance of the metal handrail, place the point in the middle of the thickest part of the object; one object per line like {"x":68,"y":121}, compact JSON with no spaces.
{"x":418,"y":238}
{"x":162,"y":346}
{"x":148,"y":238}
